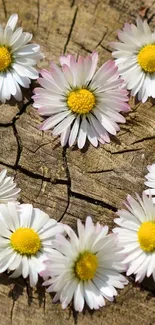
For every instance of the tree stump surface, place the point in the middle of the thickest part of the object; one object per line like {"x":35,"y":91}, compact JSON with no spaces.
{"x":69,"y":183}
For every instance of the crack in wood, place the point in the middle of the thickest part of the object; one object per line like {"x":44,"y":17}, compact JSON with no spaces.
{"x":100,"y":171}
{"x":93,"y":201}
{"x":24,"y":107}
{"x":99,"y":43}
{"x":17,"y":116}
{"x":12,"y":309}
{"x":68,"y":181}
{"x":6,"y":125}
{"x":19,"y":144}
{"x":35,"y":175}
{"x":123,"y":151}
{"x":83,"y":47}
{"x":71,"y":30}
{"x":38,"y":12}
{"x":40,"y":146}
{"x":126,"y":151}
{"x":144,"y":139}
{"x":72,"y":3}
{"x":105,"y":48}
{"x":4,"y":8}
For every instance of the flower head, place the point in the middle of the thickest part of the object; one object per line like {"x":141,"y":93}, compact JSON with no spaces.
{"x":136,"y":233}
{"x":135,"y":58}
{"x":17,"y":59}
{"x":25,"y":239}
{"x":150,"y":181}
{"x":8,"y":190}
{"x":86,"y":268}
{"x":80,"y":103}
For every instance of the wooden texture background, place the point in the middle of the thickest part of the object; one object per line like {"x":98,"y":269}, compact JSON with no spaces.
{"x":69,"y":183}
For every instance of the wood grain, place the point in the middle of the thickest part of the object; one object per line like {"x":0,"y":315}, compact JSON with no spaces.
{"x":69,"y":183}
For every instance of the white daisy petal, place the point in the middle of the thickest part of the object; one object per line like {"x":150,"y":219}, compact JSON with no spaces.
{"x":74,"y":131}
{"x":25,"y":267}
{"x":68,"y":73}
{"x":22,"y":81}
{"x":70,"y":288}
{"x":26,"y":38}
{"x":150,"y":183}
{"x":24,"y":239}
{"x":74,"y":268}
{"x":39,"y":220}
{"x":99,"y":301}
{"x":136,"y":263}
{"x":15,"y":264}
{"x":22,"y":70}
{"x":33,"y":274}
{"x":8,"y":190}
{"x":7,"y":261}
{"x":79,"y":91}
{"x":16,"y":37}
{"x":7,"y":34}
{"x":82,"y":133}
{"x":17,"y":272}
{"x":89,"y":297}
{"x":136,"y":236}
{"x":12,"y":21}
{"x":58,"y":76}
{"x":79,"y":297}
{"x":64,"y":124}
{"x":89,"y":72}
{"x":151,"y":265}
{"x":65,"y":136}
{"x":11,"y":84}
{"x":54,"y":120}
{"x":18,"y":94}
{"x":134,"y":56}
{"x":16,"y":55}
{"x":92,"y":135}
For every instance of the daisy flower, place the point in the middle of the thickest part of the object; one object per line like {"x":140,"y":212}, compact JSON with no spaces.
{"x":150,"y":181}
{"x":17,"y":59}
{"x":135,"y":58}
{"x":85,"y":268}
{"x":80,"y":103}
{"x":8,"y":190}
{"x":25,"y":239}
{"x":136,"y":233}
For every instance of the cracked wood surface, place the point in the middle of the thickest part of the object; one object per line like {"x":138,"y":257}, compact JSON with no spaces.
{"x":69,"y":183}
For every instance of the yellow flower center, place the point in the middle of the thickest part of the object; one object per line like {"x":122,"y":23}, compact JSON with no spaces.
{"x":5,"y":58}
{"x":25,"y":241}
{"x":146,"y":58}
{"x":85,"y":266}
{"x":81,"y":101}
{"x":146,"y":236}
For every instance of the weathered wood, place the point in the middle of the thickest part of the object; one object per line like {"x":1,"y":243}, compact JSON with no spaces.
{"x":71,"y":183}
